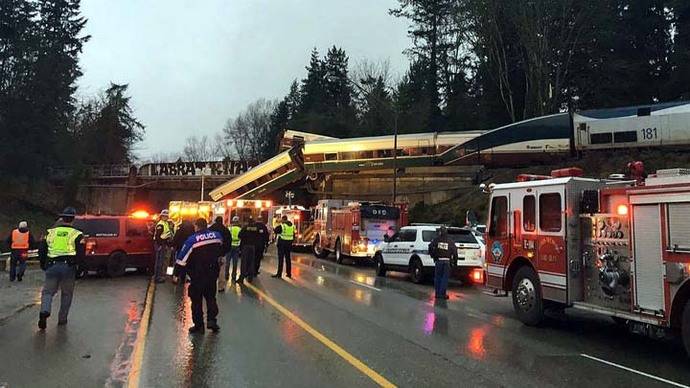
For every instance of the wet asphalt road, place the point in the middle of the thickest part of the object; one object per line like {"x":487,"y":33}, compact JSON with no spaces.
{"x":389,"y":324}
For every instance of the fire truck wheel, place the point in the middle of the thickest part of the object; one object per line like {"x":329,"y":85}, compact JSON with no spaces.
{"x":117,"y":263}
{"x":527,"y":300}
{"x":380,"y":266}
{"x":318,"y":250}
{"x":685,"y":327}
{"x":338,"y":252}
{"x":416,"y":270}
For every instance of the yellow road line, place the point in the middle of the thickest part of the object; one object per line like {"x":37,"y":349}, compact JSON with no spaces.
{"x":140,"y":344}
{"x":352,"y":360}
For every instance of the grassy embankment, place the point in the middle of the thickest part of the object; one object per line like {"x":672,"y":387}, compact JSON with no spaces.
{"x":595,"y":165}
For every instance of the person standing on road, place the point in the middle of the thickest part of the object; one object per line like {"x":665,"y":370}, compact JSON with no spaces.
{"x":250,"y":240}
{"x":223,"y":263}
{"x":162,"y":238}
{"x":19,"y":241}
{"x":260,"y":249}
{"x":442,"y":249}
{"x":61,"y":251}
{"x":234,"y":253}
{"x":199,"y":255}
{"x":286,"y":234}
{"x":183,"y":232}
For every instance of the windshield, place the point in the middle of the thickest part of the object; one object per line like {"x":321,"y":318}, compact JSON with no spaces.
{"x":374,"y":230}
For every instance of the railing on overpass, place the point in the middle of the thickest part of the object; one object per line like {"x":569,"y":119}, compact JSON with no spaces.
{"x":176,"y":170}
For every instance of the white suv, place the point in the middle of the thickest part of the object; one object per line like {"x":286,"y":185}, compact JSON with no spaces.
{"x":408,"y":251}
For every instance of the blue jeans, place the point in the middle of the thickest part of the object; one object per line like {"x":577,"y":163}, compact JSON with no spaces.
{"x":16,"y":260}
{"x":234,"y":256}
{"x":441,"y":273}
{"x":62,"y":276}
{"x":162,"y":253}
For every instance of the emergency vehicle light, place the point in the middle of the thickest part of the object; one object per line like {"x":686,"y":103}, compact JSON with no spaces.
{"x":174,"y":209}
{"x":240,"y":203}
{"x":257,"y":204}
{"x":141,"y":214}
{"x":269,"y":203}
{"x":230,"y":203}
{"x":478,"y":276}
{"x":622,"y":210}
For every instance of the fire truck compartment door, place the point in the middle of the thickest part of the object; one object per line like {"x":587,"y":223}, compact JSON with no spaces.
{"x":647,"y":261}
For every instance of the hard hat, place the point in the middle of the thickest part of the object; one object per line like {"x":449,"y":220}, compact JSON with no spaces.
{"x":165,"y":213}
{"x":235,"y":219}
{"x":69,"y":211}
{"x":23,"y":225}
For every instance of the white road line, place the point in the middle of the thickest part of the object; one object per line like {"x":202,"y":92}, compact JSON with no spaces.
{"x":634,"y":371}
{"x":365,"y":285}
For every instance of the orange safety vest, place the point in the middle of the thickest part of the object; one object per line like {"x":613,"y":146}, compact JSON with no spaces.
{"x":20,"y":240}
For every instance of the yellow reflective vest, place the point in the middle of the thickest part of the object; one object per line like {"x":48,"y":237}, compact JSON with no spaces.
{"x":61,"y":241}
{"x":287,"y":232}
{"x":235,"y":234}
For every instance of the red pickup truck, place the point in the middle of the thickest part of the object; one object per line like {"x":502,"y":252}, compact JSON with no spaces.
{"x":115,"y":243}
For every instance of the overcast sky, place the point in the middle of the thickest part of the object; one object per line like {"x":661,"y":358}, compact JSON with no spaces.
{"x":192,"y":64}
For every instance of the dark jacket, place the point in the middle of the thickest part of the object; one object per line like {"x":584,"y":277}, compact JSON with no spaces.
{"x":32,"y":241}
{"x":200,"y":253}
{"x":185,"y":230}
{"x":225,"y":233}
{"x":254,"y":234}
{"x":443,"y":247}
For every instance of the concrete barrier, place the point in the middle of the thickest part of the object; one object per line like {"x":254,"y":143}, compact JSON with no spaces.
{"x":31,"y":263}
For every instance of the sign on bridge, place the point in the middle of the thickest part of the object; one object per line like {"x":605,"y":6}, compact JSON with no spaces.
{"x":221,"y":168}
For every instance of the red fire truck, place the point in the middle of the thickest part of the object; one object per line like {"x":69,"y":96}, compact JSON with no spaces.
{"x":610,"y":247}
{"x":303,"y":221}
{"x":354,"y":228}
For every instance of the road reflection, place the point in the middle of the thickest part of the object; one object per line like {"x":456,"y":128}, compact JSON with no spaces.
{"x":475,"y":347}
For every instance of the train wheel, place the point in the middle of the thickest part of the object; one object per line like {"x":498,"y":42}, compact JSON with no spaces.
{"x":527,"y":299}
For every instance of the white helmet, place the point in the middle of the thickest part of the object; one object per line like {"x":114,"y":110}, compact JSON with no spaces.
{"x":165,"y":213}
{"x":235,"y":219}
{"x":23,"y":225}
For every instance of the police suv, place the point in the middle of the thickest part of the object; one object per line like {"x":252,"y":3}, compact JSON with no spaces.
{"x":408,"y":251}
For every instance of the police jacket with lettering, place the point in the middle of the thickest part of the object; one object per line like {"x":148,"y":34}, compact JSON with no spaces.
{"x":254,"y":234}
{"x":443,"y":247}
{"x":200,"y":254}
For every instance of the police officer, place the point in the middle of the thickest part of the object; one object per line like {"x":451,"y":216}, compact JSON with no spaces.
{"x":262,"y":245}
{"x":234,"y":254}
{"x":61,"y":251}
{"x":162,"y":238}
{"x":199,"y":255}
{"x":19,"y":241}
{"x":219,"y":227}
{"x":251,"y":240}
{"x":442,"y":249}
{"x":286,"y":234}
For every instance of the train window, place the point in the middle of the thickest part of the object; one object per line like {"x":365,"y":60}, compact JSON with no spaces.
{"x":499,"y":217}
{"x":529,"y":209}
{"x":600,"y":138}
{"x":625,"y":137}
{"x":332,"y":156}
{"x":646,"y":111}
{"x":550,"y":212}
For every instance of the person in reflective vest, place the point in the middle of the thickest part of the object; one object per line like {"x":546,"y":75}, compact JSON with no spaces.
{"x":61,"y":251}
{"x":162,"y":239}
{"x":234,"y":254}
{"x":19,"y":241}
{"x":286,"y":234}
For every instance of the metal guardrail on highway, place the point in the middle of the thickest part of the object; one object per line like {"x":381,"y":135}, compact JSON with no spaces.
{"x":5,"y":259}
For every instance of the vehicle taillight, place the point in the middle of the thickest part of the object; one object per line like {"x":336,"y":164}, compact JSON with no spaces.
{"x":477,"y":276}
{"x":91,"y":247}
